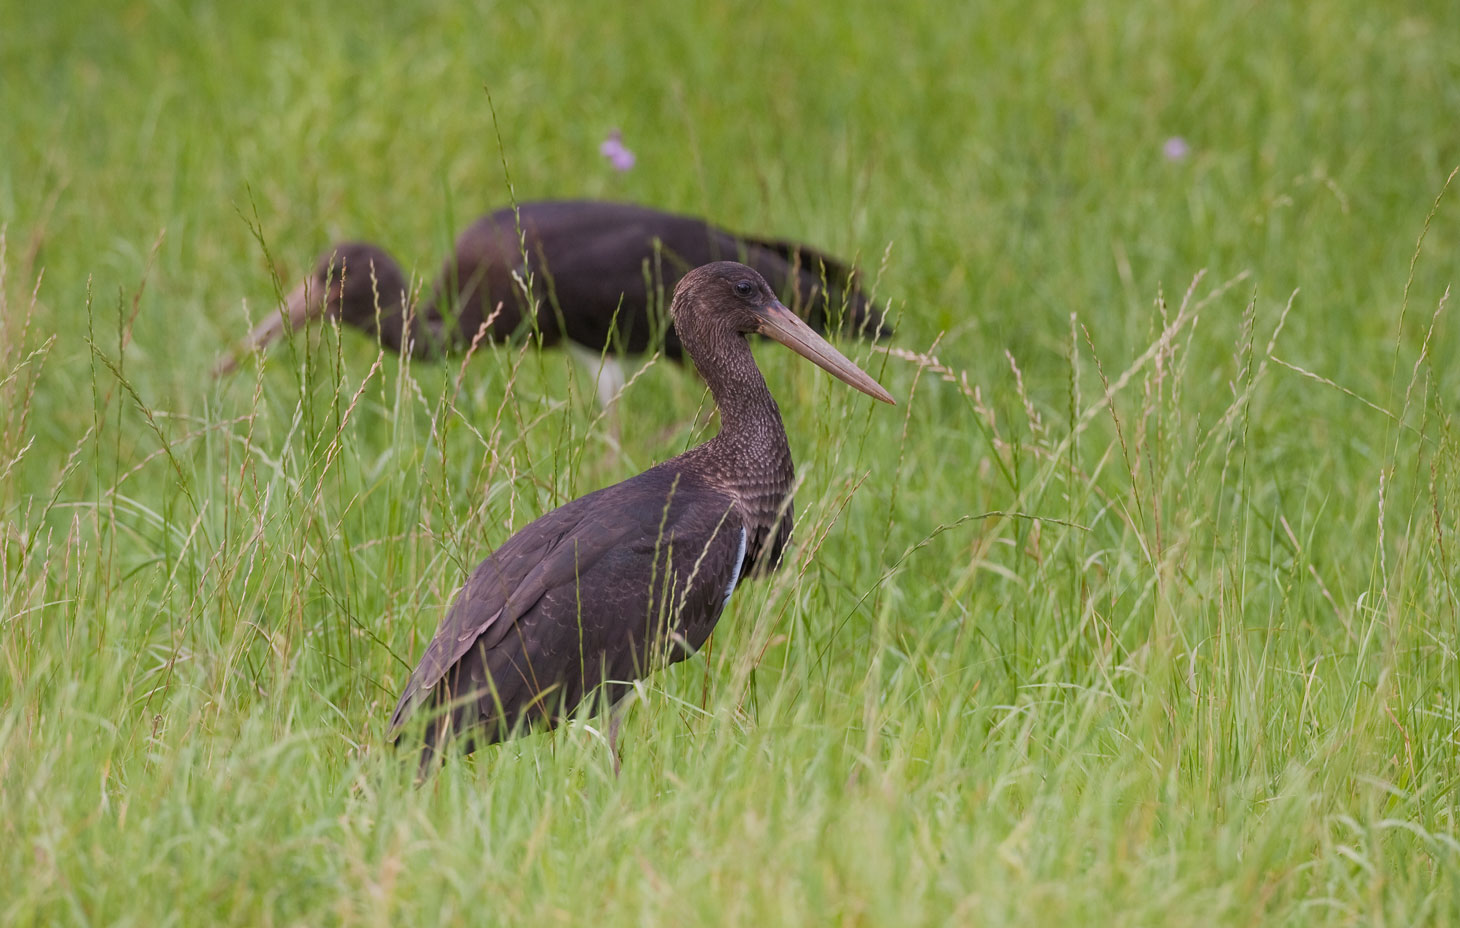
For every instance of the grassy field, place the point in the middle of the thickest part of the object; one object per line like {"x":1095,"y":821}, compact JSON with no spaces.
{"x":1141,"y":608}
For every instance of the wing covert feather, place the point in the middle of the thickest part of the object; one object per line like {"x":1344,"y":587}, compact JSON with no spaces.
{"x":607,"y":534}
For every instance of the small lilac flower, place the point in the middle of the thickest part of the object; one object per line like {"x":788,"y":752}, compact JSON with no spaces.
{"x":1176,"y":149}
{"x":613,"y":149}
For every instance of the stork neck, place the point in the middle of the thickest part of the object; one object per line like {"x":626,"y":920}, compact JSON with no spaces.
{"x":401,"y":323}
{"x":750,"y":420}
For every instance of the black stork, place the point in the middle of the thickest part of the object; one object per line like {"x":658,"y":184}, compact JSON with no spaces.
{"x":615,"y":584}
{"x":597,"y":269}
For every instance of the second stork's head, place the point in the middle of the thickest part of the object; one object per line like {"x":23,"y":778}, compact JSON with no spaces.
{"x":352,"y":282}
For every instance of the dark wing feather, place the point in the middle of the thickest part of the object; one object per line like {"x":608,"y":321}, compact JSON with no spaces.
{"x":597,"y":261}
{"x":590,"y":591}
{"x":603,"y":273}
{"x":838,"y":272}
{"x":509,"y":582}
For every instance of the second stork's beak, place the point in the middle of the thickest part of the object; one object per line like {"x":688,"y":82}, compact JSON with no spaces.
{"x":303,"y":303}
{"x":779,"y":323}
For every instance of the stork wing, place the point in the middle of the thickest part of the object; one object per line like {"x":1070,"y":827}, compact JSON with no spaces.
{"x":508,"y":583}
{"x":810,"y":259}
{"x":611,"y":531}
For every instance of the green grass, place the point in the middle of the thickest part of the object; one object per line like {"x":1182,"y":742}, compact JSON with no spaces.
{"x":1122,"y":616}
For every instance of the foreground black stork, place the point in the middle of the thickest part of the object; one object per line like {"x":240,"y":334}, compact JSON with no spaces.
{"x":597,"y":272}
{"x":615,"y":584}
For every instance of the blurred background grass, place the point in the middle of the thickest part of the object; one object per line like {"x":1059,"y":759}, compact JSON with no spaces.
{"x":1225,"y":690}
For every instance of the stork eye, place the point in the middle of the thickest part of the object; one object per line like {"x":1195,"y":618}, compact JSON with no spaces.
{"x":744,"y":287}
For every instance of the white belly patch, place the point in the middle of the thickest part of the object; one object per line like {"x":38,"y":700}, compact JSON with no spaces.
{"x":735,"y":574}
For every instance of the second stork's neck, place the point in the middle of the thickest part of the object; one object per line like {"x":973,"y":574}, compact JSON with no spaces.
{"x":399,"y":323}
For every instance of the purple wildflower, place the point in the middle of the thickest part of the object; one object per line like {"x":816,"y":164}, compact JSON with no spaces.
{"x":1176,"y":149}
{"x":613,"y":149}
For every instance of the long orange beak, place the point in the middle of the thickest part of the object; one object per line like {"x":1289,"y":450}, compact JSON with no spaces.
{"x":779,"y":323}
{"x":303,"y":303}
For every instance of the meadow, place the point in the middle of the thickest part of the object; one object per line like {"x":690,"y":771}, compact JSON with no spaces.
{"x":1140,"y":608}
